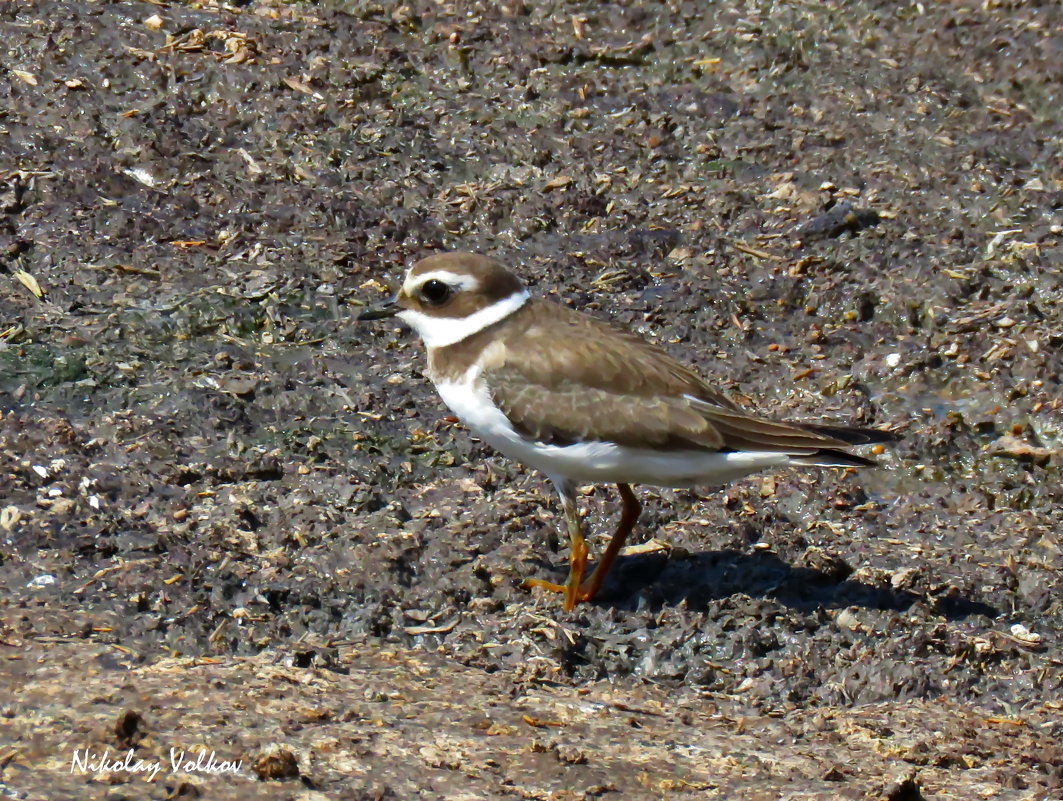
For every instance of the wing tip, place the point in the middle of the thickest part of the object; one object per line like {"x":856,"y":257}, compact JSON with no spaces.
{"x":844,"y":435}
{"x":854,"y":436}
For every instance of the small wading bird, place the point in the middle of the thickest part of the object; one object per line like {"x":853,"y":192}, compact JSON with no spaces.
{"x":588,"y":403}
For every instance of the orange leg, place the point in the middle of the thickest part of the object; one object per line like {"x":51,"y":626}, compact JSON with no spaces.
{"x":575,"y":589}
{"x":628,"y":518}
{"x":578,"y":553}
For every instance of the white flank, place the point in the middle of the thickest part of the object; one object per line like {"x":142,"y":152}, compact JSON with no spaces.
{"x":596,"y":462}
{"x":438,"y":332}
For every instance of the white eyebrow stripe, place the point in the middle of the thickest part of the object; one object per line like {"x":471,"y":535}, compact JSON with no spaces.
{"x":463,"y":281}
{"x":438,"y":332}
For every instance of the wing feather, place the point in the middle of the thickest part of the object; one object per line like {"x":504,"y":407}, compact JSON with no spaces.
{"x":566,"y":413}
{"x":590,"y":381}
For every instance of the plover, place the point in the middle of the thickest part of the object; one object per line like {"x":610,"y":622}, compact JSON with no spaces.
{"x":585,"y":402}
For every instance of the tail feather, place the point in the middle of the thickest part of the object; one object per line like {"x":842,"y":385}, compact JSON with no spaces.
{"x":831,"y":457}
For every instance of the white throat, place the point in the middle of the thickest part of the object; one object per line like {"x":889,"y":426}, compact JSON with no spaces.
{"x":438,"y":332}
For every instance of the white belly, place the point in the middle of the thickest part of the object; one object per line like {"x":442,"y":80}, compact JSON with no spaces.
{"x":598,"y":462}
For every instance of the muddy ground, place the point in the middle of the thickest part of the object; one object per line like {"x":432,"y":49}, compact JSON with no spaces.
{"x":232,"y":520}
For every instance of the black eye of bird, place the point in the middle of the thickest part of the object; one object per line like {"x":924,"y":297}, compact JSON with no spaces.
{"x":435,"y":292}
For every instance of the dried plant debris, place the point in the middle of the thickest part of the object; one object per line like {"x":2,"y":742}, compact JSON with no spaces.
{"x":230,"y":516}
{"x":1017,"y":448}
{"x":407,"y":723}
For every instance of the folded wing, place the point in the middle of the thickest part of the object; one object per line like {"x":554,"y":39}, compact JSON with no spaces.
{"x":590,"y":381}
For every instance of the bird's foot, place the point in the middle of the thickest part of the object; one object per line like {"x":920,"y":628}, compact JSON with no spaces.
{"x":581,"y":595}
{"x":574,"y":588}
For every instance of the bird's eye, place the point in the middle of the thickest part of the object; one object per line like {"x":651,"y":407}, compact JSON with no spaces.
{"x":435,"y":293}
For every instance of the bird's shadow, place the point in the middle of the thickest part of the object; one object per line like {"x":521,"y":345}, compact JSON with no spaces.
{"x":697,"y":579}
